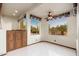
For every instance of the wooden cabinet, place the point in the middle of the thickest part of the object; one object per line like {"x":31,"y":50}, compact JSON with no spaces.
{"x":16,"y":39}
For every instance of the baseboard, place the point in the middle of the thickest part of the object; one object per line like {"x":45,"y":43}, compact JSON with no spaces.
{"x":33,"y":43}
{"x":58,"y":44}
{"x":52,"y":43}
{"x":3,"y":54}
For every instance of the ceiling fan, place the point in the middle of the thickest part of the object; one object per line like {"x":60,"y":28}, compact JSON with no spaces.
{"x":50,"y":16}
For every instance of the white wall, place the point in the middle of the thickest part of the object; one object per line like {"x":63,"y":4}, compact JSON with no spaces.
{"x":44,"y":30}
{"x":9,"y":23}
{"x":2,"y":42}
{"x":69,"y":40}
{"x":78,"y":30}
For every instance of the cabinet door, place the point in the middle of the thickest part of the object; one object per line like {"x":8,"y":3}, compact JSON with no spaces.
{"x":18,"y":41}
{"x":10,"y":40}
{"x":24,"y":38}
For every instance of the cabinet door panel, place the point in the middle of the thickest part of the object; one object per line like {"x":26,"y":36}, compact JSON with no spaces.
{"x":24,"y":38}
{"x":18,"y":39}
{"x":10,"y":40}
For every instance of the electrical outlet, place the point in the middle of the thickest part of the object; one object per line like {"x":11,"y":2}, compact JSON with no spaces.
{"x":54,"y":40}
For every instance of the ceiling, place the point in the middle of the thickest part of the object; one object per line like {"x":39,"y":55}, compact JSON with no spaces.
{"x":55,"y":8}
{"x":16,"y":9}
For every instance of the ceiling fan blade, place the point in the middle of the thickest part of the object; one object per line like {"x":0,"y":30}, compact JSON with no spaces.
{"x":46,"y":19}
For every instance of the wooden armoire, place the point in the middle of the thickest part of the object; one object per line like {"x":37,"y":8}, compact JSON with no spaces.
{"x":16,"y":39}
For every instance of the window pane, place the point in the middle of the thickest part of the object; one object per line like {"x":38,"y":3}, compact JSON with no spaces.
{"x":58,"y":26}
{"x":35,"y":26}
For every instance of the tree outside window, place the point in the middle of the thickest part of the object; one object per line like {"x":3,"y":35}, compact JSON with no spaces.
{"x":58,"y":26}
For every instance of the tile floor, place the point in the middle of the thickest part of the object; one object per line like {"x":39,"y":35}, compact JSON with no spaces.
{"x":43,"y":49}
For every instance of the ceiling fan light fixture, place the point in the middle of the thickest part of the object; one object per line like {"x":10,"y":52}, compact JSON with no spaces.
{"x":14,"y":14}
{"x":16,"y":11}
{"x":50,"y":16}
{"x":50,"y":13}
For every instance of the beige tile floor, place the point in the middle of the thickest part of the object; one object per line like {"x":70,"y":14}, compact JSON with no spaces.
{"x":43,"y":49}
